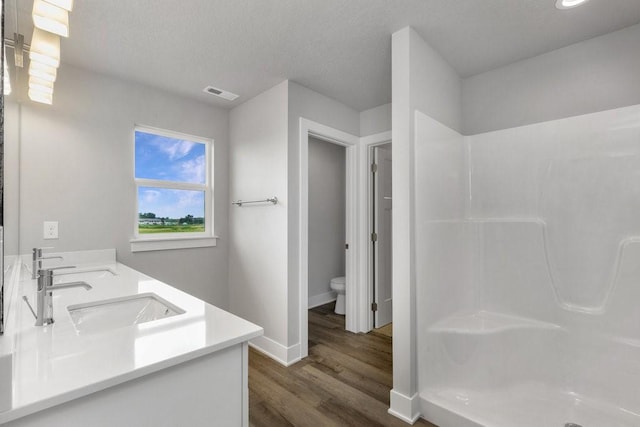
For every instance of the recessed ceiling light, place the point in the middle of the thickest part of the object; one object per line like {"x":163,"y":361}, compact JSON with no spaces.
{"x":568,"y":4}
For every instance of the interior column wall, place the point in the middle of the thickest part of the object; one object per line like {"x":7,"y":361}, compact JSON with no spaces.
{"x":422,"y":82}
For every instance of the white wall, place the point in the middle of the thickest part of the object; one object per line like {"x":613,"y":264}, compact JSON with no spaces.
{"x":76,"y":167}
{"x":424,"y":82}
{"x":258,"y":233}
{"x":436,"y":88}
{"x":595,"y":75}
{"x":305,"y":103}
{"x":264,"y":161}
{"x":327,"y":187}
{"x":375,"y":120}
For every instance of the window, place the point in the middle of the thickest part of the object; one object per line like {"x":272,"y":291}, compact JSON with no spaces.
{"x":174,"y":197}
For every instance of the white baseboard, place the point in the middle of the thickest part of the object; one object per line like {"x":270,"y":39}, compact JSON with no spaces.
{"x":443,"y":417}
{"x":286,"y":356}
{"x":322,"y":299}
{"x":403,"y":407}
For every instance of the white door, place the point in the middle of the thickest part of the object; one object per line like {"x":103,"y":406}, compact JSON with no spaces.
{"x":382,"y":235}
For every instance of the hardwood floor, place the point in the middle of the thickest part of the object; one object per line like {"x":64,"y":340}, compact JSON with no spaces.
{"x":345,"y":381}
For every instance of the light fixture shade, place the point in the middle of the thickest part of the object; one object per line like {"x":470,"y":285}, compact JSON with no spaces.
{"x":51,"y":18}
{"x":65,"y":4}
{"x":40,"y":85}
{"x":41,"y":97}
{"x":43,"y":71}
{"x":45,"y":48}
{"x":7,"y":79}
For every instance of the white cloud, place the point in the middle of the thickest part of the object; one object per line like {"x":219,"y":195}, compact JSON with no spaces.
{"x":190,"y":200}
{"x":150,"y":196}
{"x":193,"y":170}
{"x":174,"y":148}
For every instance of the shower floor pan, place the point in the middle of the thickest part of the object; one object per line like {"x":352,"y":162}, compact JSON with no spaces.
{"x":522,"y":406}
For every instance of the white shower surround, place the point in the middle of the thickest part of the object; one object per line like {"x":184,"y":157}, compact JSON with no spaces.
{"x":527,"y":272}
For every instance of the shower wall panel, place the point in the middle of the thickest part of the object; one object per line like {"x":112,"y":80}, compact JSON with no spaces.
{"x":528,"y":294}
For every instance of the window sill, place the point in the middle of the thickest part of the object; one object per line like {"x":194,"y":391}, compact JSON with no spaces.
{"x":168,"y":243}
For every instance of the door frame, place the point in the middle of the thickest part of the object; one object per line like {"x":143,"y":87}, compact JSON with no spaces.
{"x":366,"y":262}
{"x":350,"y":142}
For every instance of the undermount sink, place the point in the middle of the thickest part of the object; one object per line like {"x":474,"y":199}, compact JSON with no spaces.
{"x":92,"y":273}
{"x":119,"y":312}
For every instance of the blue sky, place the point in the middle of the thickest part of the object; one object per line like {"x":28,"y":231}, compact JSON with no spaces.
{"x":170,"y":159}
{"x":170,"y":203}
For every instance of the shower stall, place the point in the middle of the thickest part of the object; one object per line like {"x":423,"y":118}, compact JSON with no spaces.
{"x":528,"y":272}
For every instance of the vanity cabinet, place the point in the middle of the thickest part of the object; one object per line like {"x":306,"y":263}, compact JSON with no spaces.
{"x":207,"y":391}
{"x":189,"y":369}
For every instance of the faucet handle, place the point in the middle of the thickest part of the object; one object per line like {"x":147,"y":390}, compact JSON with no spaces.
{"x":37,"y":252}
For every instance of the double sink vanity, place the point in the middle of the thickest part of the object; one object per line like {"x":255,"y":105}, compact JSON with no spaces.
{"x":117,"y":347}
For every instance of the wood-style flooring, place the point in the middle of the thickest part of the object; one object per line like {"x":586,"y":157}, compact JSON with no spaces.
{"x":345,"y":381}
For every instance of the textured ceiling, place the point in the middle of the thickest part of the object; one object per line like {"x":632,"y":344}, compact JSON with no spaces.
{"x":340,"y":48}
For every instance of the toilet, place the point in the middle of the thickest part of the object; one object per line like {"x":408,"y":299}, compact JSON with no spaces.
{"x":338,"y":285}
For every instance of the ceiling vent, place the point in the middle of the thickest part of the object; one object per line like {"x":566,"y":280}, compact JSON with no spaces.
{"x":221,"y":93}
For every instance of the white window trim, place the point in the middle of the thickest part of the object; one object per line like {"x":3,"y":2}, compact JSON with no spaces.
{"x":164,"y":241}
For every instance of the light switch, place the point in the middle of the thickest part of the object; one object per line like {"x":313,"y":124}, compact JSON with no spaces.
{"x":50,"y":230}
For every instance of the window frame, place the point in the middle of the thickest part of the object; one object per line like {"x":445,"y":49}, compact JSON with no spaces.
{"x":162,"y":241}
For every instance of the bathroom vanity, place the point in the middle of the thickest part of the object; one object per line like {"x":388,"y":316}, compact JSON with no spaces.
{"x":129,"y":351}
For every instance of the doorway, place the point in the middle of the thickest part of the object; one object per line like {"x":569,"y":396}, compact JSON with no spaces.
{"x":327,"y":224}
{"x":380,"y":205}
{"x":309,"y":129}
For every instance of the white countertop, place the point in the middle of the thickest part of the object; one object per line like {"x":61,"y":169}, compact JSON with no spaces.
{"x":54,"y":364}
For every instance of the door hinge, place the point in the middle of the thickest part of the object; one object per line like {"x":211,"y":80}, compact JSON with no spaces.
{"x":346,"y":246}
{"x":374,"y":306}
{"x":374,"y":167}
{"x":374,"y":237}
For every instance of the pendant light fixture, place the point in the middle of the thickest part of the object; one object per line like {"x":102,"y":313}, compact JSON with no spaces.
{"x":40,"y":85}
{"x":51,"y":18}
{"x":50,"y":22}
{"x":64,"y":4}
{"x":41,"y":97}
{"x":45,"y":48}
{"x":43,"y":71}
{"x":7,"y":79}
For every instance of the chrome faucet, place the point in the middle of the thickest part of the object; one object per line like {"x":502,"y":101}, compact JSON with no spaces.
{"x":44,"y":307}
{"x":36,"y":260}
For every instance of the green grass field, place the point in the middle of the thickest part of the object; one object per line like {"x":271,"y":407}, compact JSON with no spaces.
{"x":151,"y":229}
